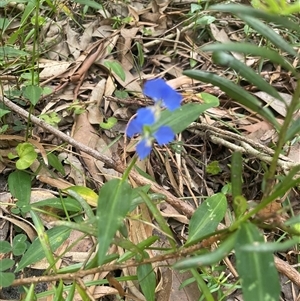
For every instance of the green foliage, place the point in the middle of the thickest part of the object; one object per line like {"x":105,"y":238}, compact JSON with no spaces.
{"x":257,"y":270}
{"x":33,"y":93}
{"x":207,"y":217}
{"x":255,"y":261}
{"x":116,"y":201}
{"x":181,"y":118}
{"x":236,"y":92}
{"x":55,"y":163}
{"x":51,"y":118}
{"x":213,"y":168}
{"x":109,"y":124}
{"x":19,"y":184}
{"x":36,"y":251}
{"x":26,"y":155}
{"x":147,"y":279}
{"x":113,"y":205}
{"x":116,"y":68}
{"x":18,"y":247}
{"x":6,"y":278}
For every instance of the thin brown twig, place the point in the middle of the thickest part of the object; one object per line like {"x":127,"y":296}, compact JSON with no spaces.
{"x":284,"y":268}
{"x":112,"y":267}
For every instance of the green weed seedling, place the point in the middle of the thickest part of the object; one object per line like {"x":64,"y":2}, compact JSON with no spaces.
{"x":26,"y":155}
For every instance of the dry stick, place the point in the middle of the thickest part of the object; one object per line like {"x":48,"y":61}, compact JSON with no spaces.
{"x":108,"y":268}
{"x":247,"y":145}
{"x":284,"y":268}
{"x":116,"y":165}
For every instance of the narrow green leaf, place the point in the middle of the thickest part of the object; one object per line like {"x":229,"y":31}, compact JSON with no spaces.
{"x":140,"y":246}
{"x":56,"y":163}
{"x":116,"y":68}
{"x":224,"y":59}
{"x":19,"y":184}
{"x":207,"y":258}
{"x":271,"y":246}
{"x":203,"y":286}
{"x":239,"y":202}
{"x":6,"y":278}
{"x":257,"y":270}
{"x":33,"y":93}
{"x":248,"y":48}
{"x":90,"y":3}
{"x":141,"y":58}
{"x":207,"y":217}
{"x":35,"y":251}
{"x":11,"y":52}
{"x":267,"y":32}
{"x":293,"y":221}
{"x":70,"y":204}
{"x":82,"y":292}
{"x":236,"y":174}
{"x":159,"y":218}
{"x":293,"y":130}
{"x":30,"y":294}
{"x":58,"y":291}
{"x":82,"y":194}
{"x":236,"y":92}
{"x":288,"y":182}
{"x":147,"y":279}
{"x":44,"y":239}
{"x":181,"y":118}
{"x":256,"y":13}
{"x":71,"y":292}
{"x":113,"y":205}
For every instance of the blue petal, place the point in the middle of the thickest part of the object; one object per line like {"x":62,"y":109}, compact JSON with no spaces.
{"x":143,"y":148}
{"x":171,"y":99}
{"x":146,"y":116}
{"x":164,"y":135}
{"x":158,"y":89}
{"x":134,"y":127}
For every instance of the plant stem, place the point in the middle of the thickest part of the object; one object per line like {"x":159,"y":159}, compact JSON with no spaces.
{"x":269,"y":176}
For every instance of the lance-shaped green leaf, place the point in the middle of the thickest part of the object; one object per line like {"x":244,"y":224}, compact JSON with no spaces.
{"x":248,"y":48}
{"x":207,"y":258}
{"x":207,"y":217}
{"x":113,"y":205}
{"x":147,"y":279}
{"x":224,"y":59}
{"x":181,"y":118}
{"x":271,"y":246}
{"x":267,"y":32}
{"x":257,"y":270}
{"x":234,"y":91}
{"x":35,"y":251}
{"x":256,"y":13}
{"x":293,"y":130}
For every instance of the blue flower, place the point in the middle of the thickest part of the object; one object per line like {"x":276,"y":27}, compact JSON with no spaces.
{"x":163,"y":135}
{"x":141,"y":124}
{"x":159,"y":90}
{"x":145,"y":116}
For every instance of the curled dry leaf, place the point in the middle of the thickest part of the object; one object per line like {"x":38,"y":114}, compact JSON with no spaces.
{"x":85,"y":133}
{"x":222,"y":37}
{"x":274,"y":103}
